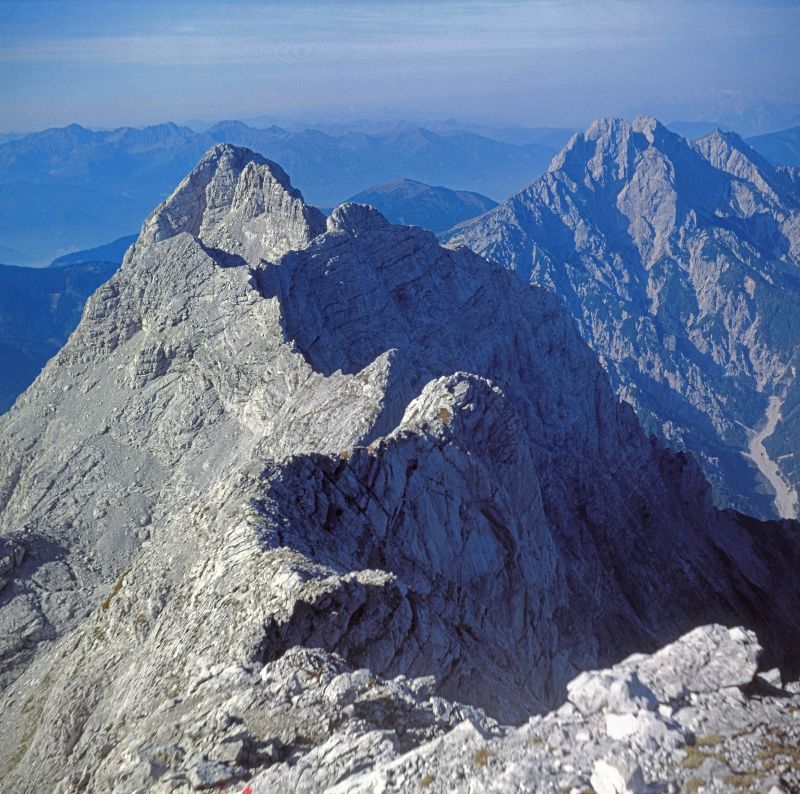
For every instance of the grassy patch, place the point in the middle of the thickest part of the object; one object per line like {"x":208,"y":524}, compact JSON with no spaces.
{"x":745,"y":782}
{"x":708,"y":741}
{"x":778,"y":750}
{"x":695,"y":758}
{"x":481,"y":757}
{"x":106,"y":602}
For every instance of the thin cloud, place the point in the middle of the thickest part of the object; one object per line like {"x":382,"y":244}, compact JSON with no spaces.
{"x":556,"y":59}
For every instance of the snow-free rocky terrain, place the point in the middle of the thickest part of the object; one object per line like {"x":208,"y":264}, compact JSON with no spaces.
{"x":300,"y":496}
{"x":681,"y":264}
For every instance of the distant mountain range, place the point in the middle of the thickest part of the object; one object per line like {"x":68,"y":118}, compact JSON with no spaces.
{"x":69,"y":188}
{"x":681,"y":265}
{"x":728,"y":110}
{"x":72,"y":188}
{"x":112,"y":252}
{"x":39,"y":309}
{"x":780,"y":148}
{"x":506,"y":133}
{"x":417,"y":204}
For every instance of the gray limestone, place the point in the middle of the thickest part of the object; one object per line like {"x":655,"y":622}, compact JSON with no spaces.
{"x":727,"y":739}
{"x":679,"y":262}
{"x":301,"y":513}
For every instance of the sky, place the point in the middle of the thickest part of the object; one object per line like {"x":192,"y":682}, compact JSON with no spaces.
{"x":106,"y":63}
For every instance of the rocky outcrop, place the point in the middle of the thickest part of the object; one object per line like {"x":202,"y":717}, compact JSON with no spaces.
{"x":679,"y":262}
{"x":368,"y":457}
{"x":692,"y":717}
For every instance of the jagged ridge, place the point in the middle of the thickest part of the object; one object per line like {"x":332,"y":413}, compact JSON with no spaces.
{"x":245,"y":456}
{"x":679,"y":262}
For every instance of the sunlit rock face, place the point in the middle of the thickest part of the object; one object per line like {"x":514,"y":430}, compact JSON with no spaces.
{"x":277,"y":452}
{"x":680,"y":263}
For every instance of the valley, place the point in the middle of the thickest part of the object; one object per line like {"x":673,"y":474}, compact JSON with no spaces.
{"x":785,"y":494}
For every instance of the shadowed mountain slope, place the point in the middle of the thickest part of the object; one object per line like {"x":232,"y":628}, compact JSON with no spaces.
{"x":39,"y":309}
{"x":279,"y":448}
{"x":680,"y":263}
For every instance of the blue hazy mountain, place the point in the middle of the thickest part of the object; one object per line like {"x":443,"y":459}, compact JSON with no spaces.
{"x":728,"y":111}
{"x":5,"y":137}
{"x":109,"y":252}
{"x":780,"y":148}
{"x":71,"y":188}
{"x":417,"y":204}
{"x":39,"y":309}
{"x":696,"y":129}
{"x":517,"y":134}
{"x":329,"y":168}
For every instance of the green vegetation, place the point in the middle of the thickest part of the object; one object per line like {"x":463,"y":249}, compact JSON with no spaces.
{"x":481,"y":757}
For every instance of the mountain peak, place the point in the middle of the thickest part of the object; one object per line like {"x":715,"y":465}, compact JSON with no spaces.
{"x":728,"y":152}
{"x":695,"y":246}
{"x":605,"y":127}
{"x":606,"y":143}
{"x":413,"y":469}
{"x":727,"y":138}
{"x":610,"y":129}
{"x":240,"y":202}
{"x":355,"y":218}
{"x":228,"y":125}
{"x":652,"y":129}
{"x":225,"y":154}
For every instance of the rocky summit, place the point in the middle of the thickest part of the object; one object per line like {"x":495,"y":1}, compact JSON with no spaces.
{"x":300,"y":497}
{"x":680,"y":263}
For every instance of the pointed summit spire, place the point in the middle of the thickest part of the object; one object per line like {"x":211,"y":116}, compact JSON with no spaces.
{"x":237,"y":201}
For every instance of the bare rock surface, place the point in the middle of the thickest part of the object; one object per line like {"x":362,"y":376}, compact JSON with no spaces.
{"x":680,"y":263}
{"x":697,"y":731}
{"x":239,"y":203}
{"x":303,"y":512}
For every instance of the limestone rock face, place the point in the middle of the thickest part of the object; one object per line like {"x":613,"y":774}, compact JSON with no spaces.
{"x":680,"y":263}
{"x":698,"y":731}
{"x":239,"y":203}
{"x":300,"y":513}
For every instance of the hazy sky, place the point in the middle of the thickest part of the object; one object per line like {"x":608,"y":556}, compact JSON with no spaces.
{"x":106,"y":63}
